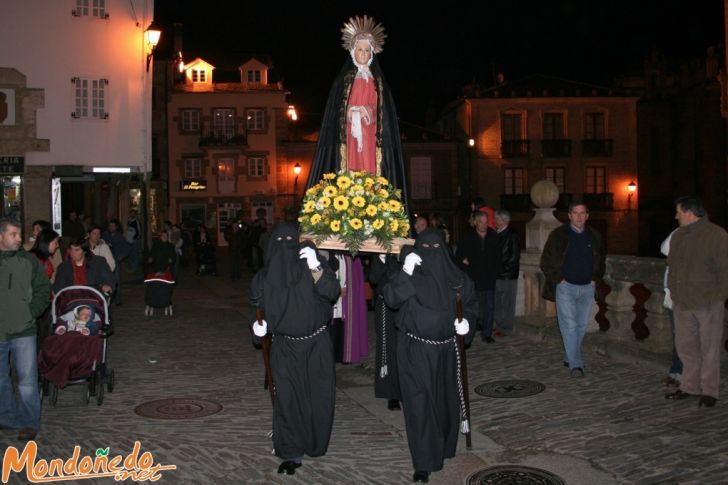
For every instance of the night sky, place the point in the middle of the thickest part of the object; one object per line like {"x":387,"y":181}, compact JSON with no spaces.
{"x":430,"y":54}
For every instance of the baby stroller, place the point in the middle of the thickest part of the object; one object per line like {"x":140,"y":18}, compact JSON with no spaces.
{"x":74,"y":358}
{"x":206,"y":259}
{"x":158,"y":289}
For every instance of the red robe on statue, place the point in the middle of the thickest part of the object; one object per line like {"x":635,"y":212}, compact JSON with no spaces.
{"x":362,"y":154}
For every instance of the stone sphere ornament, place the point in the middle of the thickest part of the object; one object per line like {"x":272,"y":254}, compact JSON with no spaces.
{"x":544,"y":194}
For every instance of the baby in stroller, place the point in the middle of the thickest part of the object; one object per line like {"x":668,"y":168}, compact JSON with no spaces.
{"x":76,"y":352}
{"x":82,"y":323}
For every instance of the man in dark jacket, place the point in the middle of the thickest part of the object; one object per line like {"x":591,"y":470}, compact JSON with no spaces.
{"x":120,"y":248}
{"x":24,"y":296}
{"x":506,"y":283}
{"x":478,"y":255}
{"x":572,"y":262}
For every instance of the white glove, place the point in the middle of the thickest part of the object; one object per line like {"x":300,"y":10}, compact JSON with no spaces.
{"x":310,"y":256}
{"x":410,"y":262}
{"x":260,"y":330}
{"x":462,"y":328}
{"x":383,"y":258}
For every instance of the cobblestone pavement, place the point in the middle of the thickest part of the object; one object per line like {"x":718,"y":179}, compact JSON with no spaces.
{"x":613,"y":426}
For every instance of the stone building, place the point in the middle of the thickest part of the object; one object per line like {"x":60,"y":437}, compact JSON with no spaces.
{"x":75,"y":108}
{"x":580,"y":136}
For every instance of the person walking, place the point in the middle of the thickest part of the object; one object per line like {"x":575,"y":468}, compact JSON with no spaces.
{"x":572,"y":262}
{"x":698,"y":283}
{"x":24,"y":296}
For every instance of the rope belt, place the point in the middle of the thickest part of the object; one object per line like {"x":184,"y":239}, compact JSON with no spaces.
{"x":321,"y":329}
{"x":464,"y":419}
{"x":383,"y":369}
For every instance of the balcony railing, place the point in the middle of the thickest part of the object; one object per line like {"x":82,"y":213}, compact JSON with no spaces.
{"x":515,"y":148}
{"x":558,"y":148}
{"x":599,"y":202}
{"x":516,"y":202}
{"x":223,"y":139}
{"x":598,"y":147}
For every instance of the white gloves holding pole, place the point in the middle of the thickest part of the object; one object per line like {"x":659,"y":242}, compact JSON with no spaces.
{"x":260,"y":329}
{"x":462,"y":327}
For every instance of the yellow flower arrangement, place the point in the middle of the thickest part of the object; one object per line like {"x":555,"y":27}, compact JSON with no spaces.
{"x":355,"y":206}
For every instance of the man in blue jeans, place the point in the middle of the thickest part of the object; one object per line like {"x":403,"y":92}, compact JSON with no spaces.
{"x":24,"y":295}
{"x":572,"y":262}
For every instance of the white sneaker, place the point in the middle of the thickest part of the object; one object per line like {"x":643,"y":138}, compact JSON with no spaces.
{"x":170,"y":311}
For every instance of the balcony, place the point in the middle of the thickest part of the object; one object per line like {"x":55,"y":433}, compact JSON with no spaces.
{"x":557,"y":148}
{"x":598,"y":147}
{"x":599,"y":202}
{"x":515,"y":148}
{"x":516,"y":202}
{"x":217,"y":139}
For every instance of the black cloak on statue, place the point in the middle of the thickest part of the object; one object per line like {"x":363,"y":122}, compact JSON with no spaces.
{"x":426,"y":349}
{"x":332,"y":137}
{"x":297,"y":305}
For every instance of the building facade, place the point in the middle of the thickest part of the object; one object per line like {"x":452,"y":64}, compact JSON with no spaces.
{"x":581,"y":137}
{"x":225,"y":146}
{"x":75,"y":104}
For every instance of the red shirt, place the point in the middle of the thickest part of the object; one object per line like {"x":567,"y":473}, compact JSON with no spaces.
{"x":79,"y":274}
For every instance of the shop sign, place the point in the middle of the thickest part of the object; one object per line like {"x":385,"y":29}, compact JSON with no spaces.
{"x":193,"y":184}
{"x":11,"y":164}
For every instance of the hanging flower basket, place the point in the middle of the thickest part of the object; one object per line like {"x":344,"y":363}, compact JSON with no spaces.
{"x":356,"y":212}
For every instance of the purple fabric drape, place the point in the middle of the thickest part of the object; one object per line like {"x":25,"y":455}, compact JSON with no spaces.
{"x":68,"y":355}
{"x":355,"y":345}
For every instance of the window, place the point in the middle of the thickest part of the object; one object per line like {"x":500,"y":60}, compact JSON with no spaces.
{"x":254,"y":76}
{"x":190,"y":119}
{"x":595,"y":128}
{"x":90,"y":97}
{"x":514,"y":180}
{"x":255,"y":119}
{"x":226,"y":176}
{"x":193,"y":168}
{"x":511,"y":127}
{"x":553,"y":126}
{"x":223,"y":123}
{"x":421,"y":177}
{"x":92,"y":8}
{"x":556,"y":175}
{"x":596,"y":180}
{"x":198,"y":75}
{"x":256,"y":167}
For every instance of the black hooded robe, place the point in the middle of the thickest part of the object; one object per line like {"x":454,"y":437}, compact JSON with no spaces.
{"x":426,"y":349}
{"x":332,"y":137}
{"x":297,"y":304}
{"x":386,"y":385}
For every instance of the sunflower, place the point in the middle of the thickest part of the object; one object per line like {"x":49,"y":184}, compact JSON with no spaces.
{"x":343,"y":182}
{"x":309,"y":206}
{"x":325,"y":201}
{"x":335,"y":225}
{"x":302,"y":219}
{"x":383,"y":193}
{"x":359,"y":201}
{"x":394,"y":205}
{"x":330,"y":191}
{"x":355,"y":223}
{"x":368,"y":182}
{"x":378,"y":224}
{"x":315,"y":218}
{"x":357,"y":188}
{"x":403,"y":228}
{"x":383,"y":206}
{"x":394,"y":225}
{"x":341,"y":203}
{"x":382,"y":181}
{"x":371,"y":210}
{"x":329,"y":176}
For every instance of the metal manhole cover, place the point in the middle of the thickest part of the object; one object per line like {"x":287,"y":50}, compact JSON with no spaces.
{"x":178,"y":408}
{"x":514,"y":475}
{"x":510,"y":388}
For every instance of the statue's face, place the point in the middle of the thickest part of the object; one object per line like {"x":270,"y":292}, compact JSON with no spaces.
{"x":362,"y":52}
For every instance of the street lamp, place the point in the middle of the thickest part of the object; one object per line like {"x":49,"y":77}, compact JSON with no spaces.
{"x":297,"y":172}
{"x":631,"y":190}
{"x":151,"y":37}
